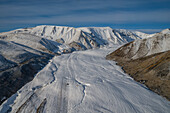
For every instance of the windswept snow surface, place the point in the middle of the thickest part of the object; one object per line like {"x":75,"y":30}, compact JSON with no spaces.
{"x":84,"y":82}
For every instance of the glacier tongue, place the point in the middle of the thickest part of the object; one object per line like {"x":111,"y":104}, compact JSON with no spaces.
{"x":84,"y":82}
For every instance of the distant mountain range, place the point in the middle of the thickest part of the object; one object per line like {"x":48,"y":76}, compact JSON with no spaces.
{"x":60,"y":40}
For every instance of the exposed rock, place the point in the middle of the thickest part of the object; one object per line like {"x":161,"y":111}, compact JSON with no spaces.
{"x":11,"y":80}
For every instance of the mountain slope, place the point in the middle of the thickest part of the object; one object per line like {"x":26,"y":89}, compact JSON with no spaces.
{"x":141,"y":48}
{"x":147,"y":61}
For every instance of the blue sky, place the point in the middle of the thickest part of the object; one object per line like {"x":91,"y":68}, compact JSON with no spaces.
{"x":144,"y":15}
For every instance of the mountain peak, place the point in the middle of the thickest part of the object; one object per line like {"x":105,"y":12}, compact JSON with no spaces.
{"x":166,"y":31}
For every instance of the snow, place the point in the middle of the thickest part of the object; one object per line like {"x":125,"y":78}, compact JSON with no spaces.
{"x":85,"y":82}
{"x":166,"y":31}
{"x":5,"y":64}
{"x":14,"y":52}
{"x":117,"y":36}
{"x":145,"y":47}
{"x":27,"y":41}
{"x":85,"y":37}
{"x":81,"y":81}
{"x":143,"y":35}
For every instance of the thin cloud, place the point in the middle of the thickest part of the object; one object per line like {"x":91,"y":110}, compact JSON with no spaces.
{"x":111,"y":17}
{"x":74,"y":12}
{"x":148,"y":30}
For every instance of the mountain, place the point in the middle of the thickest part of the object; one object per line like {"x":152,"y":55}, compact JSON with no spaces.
{"x":147,"y":61}
{"x":160,"y":42}
{"x":42,"y":70}
{"x":23,"y":52}
{"x":77,"y":38}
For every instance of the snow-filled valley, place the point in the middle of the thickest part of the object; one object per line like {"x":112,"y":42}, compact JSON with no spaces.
{"x":84,"y":82}
{"x":78,"y":79}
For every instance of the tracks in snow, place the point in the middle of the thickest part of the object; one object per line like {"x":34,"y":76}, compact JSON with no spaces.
{"x":85,"y":82}
{"x":73,"y":75}
{"x":62,"y":101}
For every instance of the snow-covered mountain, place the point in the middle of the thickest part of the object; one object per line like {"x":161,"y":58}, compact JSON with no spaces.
{"x":81,"y":81}
{"x":67,"y":39}
{"x":159,"y":42}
